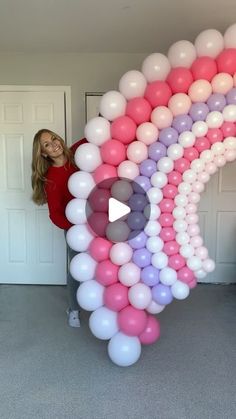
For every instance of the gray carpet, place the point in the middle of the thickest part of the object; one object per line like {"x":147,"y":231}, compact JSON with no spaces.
{"x":49,"y":370}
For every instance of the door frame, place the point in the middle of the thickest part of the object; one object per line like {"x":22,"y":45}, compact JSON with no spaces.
{"x":34,"y":88}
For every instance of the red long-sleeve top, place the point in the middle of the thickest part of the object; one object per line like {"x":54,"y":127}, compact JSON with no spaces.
{"x":57,"y":191}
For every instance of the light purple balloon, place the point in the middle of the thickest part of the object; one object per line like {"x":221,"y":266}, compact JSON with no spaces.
{"x":136,"y":220}
{"x":138,"y":201}
{"x":199,"y":111}
{"x":150,"y":275}
{"x":148,"y":167}
{"x":137,"y":240}
{"x":142,"y":181}
{"x":231,"y":97}
{"x":162,"y":294}
{"x":182,"y":123}
{"x":168,"y":136}
{"x":156,"y":151}
{"x":142,"y":257}
{"x":216,"y":102}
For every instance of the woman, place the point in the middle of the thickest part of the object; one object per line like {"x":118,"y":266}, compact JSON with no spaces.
{"x":52,"y":165}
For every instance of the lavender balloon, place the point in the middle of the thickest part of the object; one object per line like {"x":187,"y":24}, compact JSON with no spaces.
{"x":148,"y":167}
{"x":199,"y":111}
{"x":136,"y":220}
{"x":162,"y":294}
{"x":137,"y":202}
{"x":142,"y":181}
{"x":216,"y":102}
{"x":182,"y":123}
{"x":142,"y":257}
{"x":150,"y":276}
{"x":168,"y":136}
{"x":137,"y":240}
{"x":231,"y":97}
{"x":156,"y":151}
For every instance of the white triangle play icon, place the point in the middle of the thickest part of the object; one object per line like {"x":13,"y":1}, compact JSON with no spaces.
{"x":117,"y":209}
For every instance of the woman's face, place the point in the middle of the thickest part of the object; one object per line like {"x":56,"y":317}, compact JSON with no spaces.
{"x":50,"y":146}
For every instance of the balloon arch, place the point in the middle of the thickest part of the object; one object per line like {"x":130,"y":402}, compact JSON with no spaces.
{"x":168,"y":128}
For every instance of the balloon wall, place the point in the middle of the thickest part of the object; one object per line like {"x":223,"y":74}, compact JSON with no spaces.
{"x":169,"y":127}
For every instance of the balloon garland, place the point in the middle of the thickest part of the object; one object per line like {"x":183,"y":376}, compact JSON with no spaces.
{"x":168,"y":128}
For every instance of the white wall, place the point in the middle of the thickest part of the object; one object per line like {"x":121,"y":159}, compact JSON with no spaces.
{"x":83,"y":72}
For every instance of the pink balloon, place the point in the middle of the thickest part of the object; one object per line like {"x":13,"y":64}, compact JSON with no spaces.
{"x":167,"y":205}
{"x":107,"y":272}
{"x":166,"y":219}
{"x":123,"y":129}
{"x":116,"y":297}
{"x":169,"y":191}
{"x":167,"y":234}
{"x":228,"y":129}
{"x":98,"y":223}
{"x":100,"y":248}
{"x":171,"y":247}
{"x":204,"y":68}
{"x":192,"y":284}
{"x":185,"y":275}
{"x":98,"y":200}
{"x":174,"y":178}
{"x":176,"y":262}
{"x":226,"y":61}
{"x":202,"y":143}
{"x":180,"y":79}
{"x":113,"y":152}
{"x":158,"y":93}
{"x":214,"y":135}
{"x":132,"y":321}
{"x":139,"y":109}
{"x":103,"y":172}
{"x":182,"y":164}
{"x":191,"y":153}
{"x":151,"y":332}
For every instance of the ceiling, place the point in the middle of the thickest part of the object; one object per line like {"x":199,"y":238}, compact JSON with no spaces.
{"x":107,"y":26}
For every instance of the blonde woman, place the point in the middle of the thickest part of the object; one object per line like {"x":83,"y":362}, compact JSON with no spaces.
{"x":52,"y":165}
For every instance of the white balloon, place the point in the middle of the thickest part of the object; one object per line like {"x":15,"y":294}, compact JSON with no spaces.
{"x":180,"y":226}
{"x":208,"y":265}
{"x":117,"y":231}
{"x":187,"y":139}
{"x":180,"y":290}
{"x":210,"y":43}
{"x":97,"y":130}
{"x":230,"y":143}
{"x":186,"y":250}
{"x":121,"y":190}
{"x":192,"y":218}
{"x":181,"y":200}
{"x":156,"y":67}
{"x":152,"y":211}
{"x":197,"y":165}
{"x":230,"y":36}
{"x":155,"y":308}
{"x":147,"y":133}
{"x":189,"y":176}
{"x":124,"y":350}
{"x":154,"y":195}
{"x":76,"y":211}
{"x":159,"y":179}
{"x":82,"y":267}
{"x":79,"y":237}
{"x":132,"y":84}
{"x":90,"y":295}
{"x":140,"y":296}
{"x":229,"y":113}
{"x":182,"y":238}
{"x":154,"y":244}
{"x":206,"y":156}
{"x":103,"y":323}
{"x":179,"y":213}
{"x":214,"y":119}
{"x":88,"y":157}
{"x":80,"y":184}
{"x":121,"y":253}
{"x":165,"y":165}
{"x":194,"y":263}
{"x":112,"y":105}
{"x":129,"y":274}
{"x":184,"y":188}
{"x":159,"y":260}
{"x":218,"y":148}
{"x":199,"y":128}
{"x":175,"y":151}
{"x":182,"y":54}
{"x":152,"y":228}
{"x":167,"y":276}
{"x":200,"y":274}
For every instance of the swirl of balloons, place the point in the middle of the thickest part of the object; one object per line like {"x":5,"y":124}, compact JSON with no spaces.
{"x":168,"y":129}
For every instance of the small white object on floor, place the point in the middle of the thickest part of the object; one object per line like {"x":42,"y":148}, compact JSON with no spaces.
{"x":73,"y":318}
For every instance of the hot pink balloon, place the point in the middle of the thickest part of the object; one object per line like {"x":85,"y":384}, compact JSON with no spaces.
{"x":176,"y":262}
{"x":204,"y":68}
{"x":166,"y":219}
{"x":180,"y":79}
{"x":214,"y":135}
{"x":228,"y":129}
{"x":174,"y":178}
{"x":185,"y":275}
{"x":167,"y":205}
{"x":151,"y":332}
{"x":100,"y":248}
{"x":158,"y":93}
{"x":103,"y":172}
{"x":171,"y":247}
{"x":107,"y":272}
{"x":123,"y":129}
{"x":113,"y":152}
{"x":202,"y":143}
{"x":191,"y":153}
{"x":181,"y":165}
{"x":169,"y":191}
{"x":132,"y":321}
{"x":226,"y":61}
{"x":116,"y":297}
{"x":139,"y":109}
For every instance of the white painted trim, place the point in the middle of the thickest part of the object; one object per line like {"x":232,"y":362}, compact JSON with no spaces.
{"x":67,"y":93}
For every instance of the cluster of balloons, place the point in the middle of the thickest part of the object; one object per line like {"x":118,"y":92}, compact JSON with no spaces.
{"x":169,"y":128}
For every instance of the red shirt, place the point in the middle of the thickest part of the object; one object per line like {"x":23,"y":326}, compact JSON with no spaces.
{"x":57,"y":191}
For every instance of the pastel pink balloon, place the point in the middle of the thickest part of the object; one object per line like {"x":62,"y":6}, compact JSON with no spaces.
{"x":132,"y":321}
{"x":196,"y":241}
{"x":162,"y":117}
{"x":176,"y":262}
{"x":116,"y":297}
{"x":169,"y":191}
{"x":167,"y":205}
{"x":214,"y":135}
{"x":103,"y":172}
{"x":181,"y":165}
{"x":191,"y":153}
{"x":139,"y":109}
{"x":222,"y":83}
{"x":151,"y":332}
{"x":100,"y":248}
{"x":226,"y":61}
{"x":106,"y":273}
{"x":204,"y":68}
{"x":228,"y":129}
{"x":158,"y":93}
{"x":201,"y":252}
{"x":113,"y":152}
{"x":123,"y":129}
{"x":167,"y":234}
{"x":200,"y":91}
{"x":202,"y":143}
{"x":179,"y":104}
{"x":174,"y":177}
{"x":185,"y":275}
{"x":193,"y":230}
{"x":171,"y":247}
{"x":179,"y":79}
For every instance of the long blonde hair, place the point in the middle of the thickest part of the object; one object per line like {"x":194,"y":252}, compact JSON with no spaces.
{"x":41,"y":164}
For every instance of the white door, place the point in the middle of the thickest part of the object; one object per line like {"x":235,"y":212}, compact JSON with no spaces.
{"x":32,"y":250}
{"x":217,"y":212}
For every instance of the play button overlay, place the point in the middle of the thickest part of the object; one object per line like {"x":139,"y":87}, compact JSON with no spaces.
{"x":117,"y":209}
